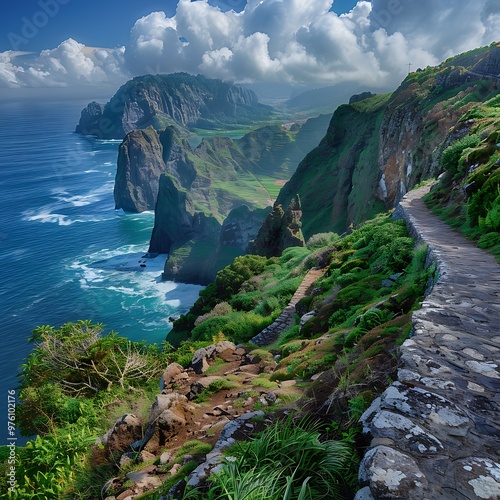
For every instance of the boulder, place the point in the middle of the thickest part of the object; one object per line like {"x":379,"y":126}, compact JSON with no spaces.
{"x":170,"y":415}
{"x":391,"y":474}
{"x":125,"y":431}
{"x":224,"y":349}
{"x":173,"y":376}
{"x":199,"y":361}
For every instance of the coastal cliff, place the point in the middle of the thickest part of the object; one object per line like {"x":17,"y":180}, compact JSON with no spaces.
{"x":378,"y":148}
{"x":162,"y":100}
{"x":223,"y":182}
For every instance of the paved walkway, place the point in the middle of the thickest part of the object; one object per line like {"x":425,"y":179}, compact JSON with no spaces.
{"x":436,"y":432}
{"x":287,"y":318}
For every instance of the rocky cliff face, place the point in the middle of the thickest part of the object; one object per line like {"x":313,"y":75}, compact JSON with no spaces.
{"x":140,"y":164}
{"x":180,"y":98}
{"x":282,"y":229}
{"x":377,"y":149}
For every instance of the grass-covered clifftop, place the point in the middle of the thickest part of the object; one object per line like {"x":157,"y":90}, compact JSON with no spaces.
{"x":377,"y":149}
{"x":179,"y":98}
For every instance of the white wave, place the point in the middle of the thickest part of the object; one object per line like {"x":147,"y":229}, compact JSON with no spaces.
{"x":124,"y":290}
{"x":109,"y":164}
{"x":46,"y":216}
{"x":108,"y":141}
{"x":79,"y":201}
{"x":59,"y":191}
{"x":133,"y":262}
{"x":92,"y":171}
{"x":64,"y":197}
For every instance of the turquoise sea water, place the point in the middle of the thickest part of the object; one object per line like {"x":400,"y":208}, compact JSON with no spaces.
{"x":65,"y":253}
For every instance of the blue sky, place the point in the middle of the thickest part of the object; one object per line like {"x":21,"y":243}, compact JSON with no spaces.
{"x":89,"y":43}
{"x":101,"y":23}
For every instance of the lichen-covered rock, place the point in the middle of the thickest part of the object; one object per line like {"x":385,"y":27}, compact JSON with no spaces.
{"x":392,"y":475}
{"x":476,"y":477}
{"x":227,"y":437}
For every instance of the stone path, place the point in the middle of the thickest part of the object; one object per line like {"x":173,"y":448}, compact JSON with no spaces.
{"x":286,"y":319}
{"x":436,"y":431}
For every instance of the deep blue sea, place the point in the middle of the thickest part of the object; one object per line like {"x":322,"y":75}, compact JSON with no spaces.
{"x":65,"y":253}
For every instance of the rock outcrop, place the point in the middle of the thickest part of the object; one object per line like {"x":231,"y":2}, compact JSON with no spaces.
{"x":162,"y":100}
{"x":170,"y":415}
{"x":126,"y":430}
{"x":91,"y":120}
{"x":282,"y":229}
{"x":140,"y":164}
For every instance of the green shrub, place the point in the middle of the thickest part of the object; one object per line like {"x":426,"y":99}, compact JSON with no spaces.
{"x":246,"y":301}
{"x":321,"y":240}
{"x":373,"y":318}
{"x":353,"y":264}
{"x":220,"y":309}
{"x":451,"y":155}
{"x":489,"y":240}
{"x":210,"y":327}
{"x":290,"y":334}
{"x":230,"y":279}
{"x":290,"y":348}
{"x":48,"y":465}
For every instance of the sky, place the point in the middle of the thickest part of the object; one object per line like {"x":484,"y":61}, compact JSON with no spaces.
{"x":85,"y":45}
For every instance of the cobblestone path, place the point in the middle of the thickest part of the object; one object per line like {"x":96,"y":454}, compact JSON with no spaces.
{"x":436,"y":431}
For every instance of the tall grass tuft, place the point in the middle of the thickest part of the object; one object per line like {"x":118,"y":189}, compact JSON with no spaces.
{"x":286,"y":461}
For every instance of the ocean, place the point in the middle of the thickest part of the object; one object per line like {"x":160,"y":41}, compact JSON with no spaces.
{"x":65,"y":253}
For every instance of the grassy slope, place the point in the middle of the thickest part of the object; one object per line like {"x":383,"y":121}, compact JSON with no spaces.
{"x":347,"y":150}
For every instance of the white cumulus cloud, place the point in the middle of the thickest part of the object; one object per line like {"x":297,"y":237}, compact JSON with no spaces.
{"x":69,"y":64}
{"x":292,"y":41}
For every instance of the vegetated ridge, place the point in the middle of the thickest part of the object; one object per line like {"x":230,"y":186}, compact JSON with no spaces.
{"x":377,"y":149}
{"x":209,"y":201}
{"x":181,"y":98}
